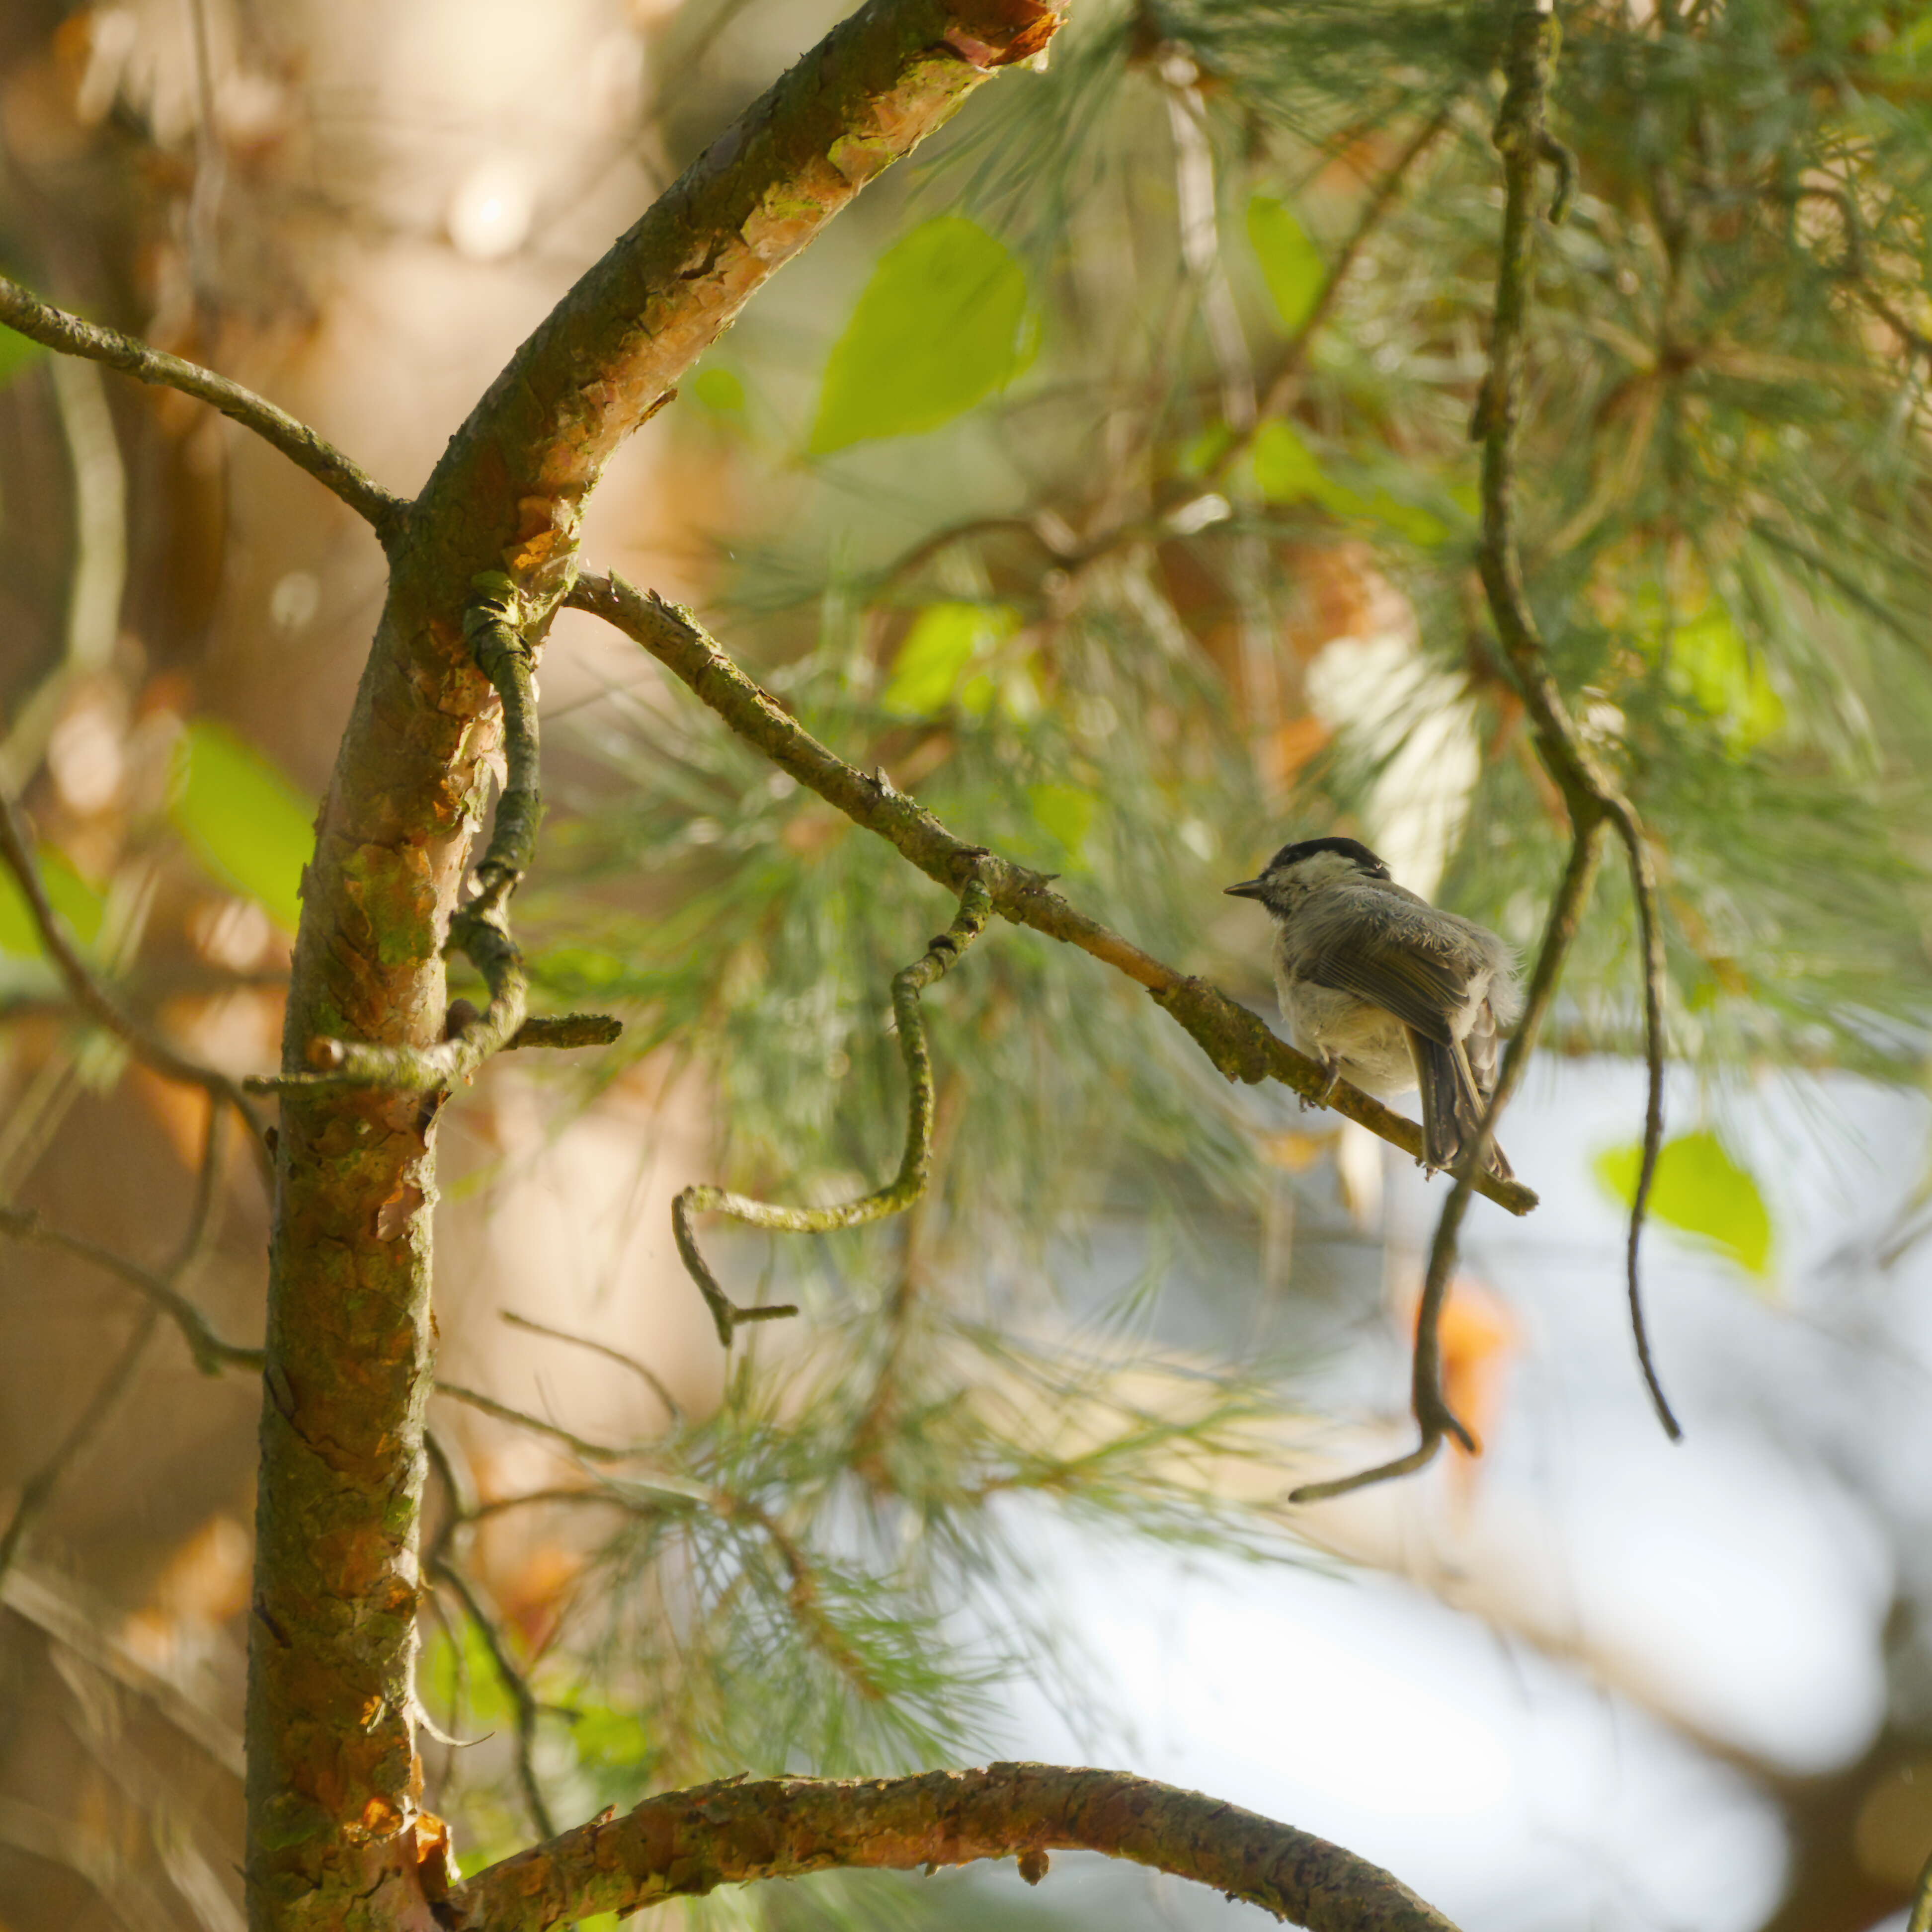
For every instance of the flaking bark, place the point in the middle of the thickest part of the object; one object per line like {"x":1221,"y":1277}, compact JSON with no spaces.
{"x":334,"y":1779}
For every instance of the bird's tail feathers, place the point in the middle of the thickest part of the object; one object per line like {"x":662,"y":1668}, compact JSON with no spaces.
{"x":1452,"y":1107}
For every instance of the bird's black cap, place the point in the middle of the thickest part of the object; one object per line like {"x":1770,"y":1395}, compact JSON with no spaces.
{"x":1352,"y":849}
{"x":1348,"y":848}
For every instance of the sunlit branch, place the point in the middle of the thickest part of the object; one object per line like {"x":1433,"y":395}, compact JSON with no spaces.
{"x":69,"y":335}
{"x":976,"y":908}
{"x":87,"y":992}
{"x":687,"y":1844}
{"x":1238,"y":1041}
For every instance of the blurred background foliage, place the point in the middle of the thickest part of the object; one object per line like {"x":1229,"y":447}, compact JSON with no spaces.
{"x":1105,"y":480}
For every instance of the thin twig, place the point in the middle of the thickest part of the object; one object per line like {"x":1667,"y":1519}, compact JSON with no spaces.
{"x":578,"y":1445}
{"x":1238,"y":1041}
{"x":649,"y":1376}
{"x":69,"y":335}
{"x":211,"y":1353}
{"x":1594,"y":802}
{"x":481,"y":930}
{"x":976,"y":908}
{"x":37,"y":1492}
{"x":91,"y":996}
{"x":515,"y":1684}
{"x":1282,"y":385}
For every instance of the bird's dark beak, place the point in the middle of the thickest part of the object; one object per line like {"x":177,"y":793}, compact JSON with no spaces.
{"x":1249,"y":889}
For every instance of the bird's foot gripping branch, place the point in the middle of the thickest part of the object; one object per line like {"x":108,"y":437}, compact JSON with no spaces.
{"x":976,"y":908}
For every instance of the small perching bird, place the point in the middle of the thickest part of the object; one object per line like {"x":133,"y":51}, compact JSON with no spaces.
{"x":1387,"y":990}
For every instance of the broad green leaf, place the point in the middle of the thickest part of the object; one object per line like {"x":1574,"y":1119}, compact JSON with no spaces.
{"x":1292,"y":265}
{"x":1700,"y":1190}
{"x":1711,"y":663}
{"x":71,"y":896}
{"x":243,"y":819}
{"x":719,"y":390}
{"x":17,"y":352}
{"x":1287,"y":471}
{"x":1065,"y":811}
{"x":944,"y":322}
{"x":930,"y":671}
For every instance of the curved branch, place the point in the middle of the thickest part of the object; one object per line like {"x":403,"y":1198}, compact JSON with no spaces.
{"x":688,"y":1842}
{"x":1524,"y":141}
{"x":69,"y":335}
{"x":509,"y":493}
{"x":1238,"y":1041}
{"x":976,"y":908}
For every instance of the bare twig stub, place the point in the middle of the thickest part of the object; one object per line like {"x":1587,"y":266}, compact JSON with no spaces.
{"x":689,"y":1842}
{"x":976,"y":908}
{"x":1238,"y":1041}
{"x":69,"y":335}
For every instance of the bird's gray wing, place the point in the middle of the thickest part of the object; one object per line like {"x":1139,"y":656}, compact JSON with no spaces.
{"x":1373,"y":951}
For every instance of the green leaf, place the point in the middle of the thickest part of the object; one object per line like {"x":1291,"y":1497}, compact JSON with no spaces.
{"x":1290,"y":263}
{"x":72,"y":897}
{"x":243,"y":819}
{"x":944,"y":322}
{"x":946,"y":641}
{"x":1700,"y":1190}
{"x":1286,"y":471}
{"x":718,"y":390}
{"x":1713,"y":666}
{"x":1065,"y":811}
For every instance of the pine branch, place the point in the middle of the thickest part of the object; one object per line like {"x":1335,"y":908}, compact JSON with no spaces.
{"x":69,"y":335}
{"x":1238,"y":1043}
{"x":688,"y":1842}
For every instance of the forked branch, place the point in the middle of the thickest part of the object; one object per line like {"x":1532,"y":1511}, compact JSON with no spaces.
{"x":481,"y":931}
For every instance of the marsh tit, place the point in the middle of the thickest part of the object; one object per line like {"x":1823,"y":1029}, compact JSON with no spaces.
{"x":1386,"y":990}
